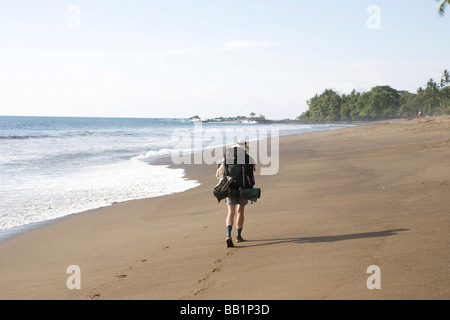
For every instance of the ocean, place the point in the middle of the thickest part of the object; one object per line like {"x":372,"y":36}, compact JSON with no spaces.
{"x":51,"y":167}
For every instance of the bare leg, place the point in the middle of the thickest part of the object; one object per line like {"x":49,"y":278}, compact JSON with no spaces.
{"x":240,"y":217}
{"x":230,"y":216}
{"x":229,"y":222}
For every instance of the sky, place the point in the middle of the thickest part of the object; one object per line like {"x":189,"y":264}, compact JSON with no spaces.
{"x":211,"y":58}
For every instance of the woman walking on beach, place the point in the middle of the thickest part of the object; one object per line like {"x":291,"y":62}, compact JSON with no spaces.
{"x":235,"y":201}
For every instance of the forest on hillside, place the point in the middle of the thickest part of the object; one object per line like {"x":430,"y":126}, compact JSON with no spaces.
{"x":381,"y":102}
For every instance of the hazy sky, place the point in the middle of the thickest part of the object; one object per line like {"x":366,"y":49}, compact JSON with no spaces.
{"x":179,"y":58}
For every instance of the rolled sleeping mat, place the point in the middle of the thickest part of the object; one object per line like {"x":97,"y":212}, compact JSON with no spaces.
{"x":252,"y":194}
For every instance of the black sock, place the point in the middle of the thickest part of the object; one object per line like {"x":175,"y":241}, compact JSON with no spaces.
{"x":229,"y":231}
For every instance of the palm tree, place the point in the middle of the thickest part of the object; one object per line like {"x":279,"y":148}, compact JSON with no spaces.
{"x":443,"y":6}
{"x":445,"y":79}
{"x":446,"y":76}
{"x":432,"y":86}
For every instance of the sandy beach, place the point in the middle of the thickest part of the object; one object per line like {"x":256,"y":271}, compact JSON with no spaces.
{"x":342,"y":200}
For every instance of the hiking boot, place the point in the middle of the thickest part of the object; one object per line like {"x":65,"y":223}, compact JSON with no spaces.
{"x":239,"y":239}
{"x":230,"y":243}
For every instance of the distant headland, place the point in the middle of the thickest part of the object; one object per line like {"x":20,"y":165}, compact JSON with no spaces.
{"x":242,"y":119}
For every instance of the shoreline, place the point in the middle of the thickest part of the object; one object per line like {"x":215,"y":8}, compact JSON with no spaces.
{"x":343,"y":200}
{"x":164,"y":160}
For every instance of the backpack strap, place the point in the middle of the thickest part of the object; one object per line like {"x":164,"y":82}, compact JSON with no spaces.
{"x":225,"y":167}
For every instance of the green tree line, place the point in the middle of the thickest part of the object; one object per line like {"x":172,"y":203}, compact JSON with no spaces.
{"x":381,"y":102}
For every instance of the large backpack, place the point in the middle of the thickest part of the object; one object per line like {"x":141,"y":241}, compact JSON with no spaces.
{"x":239,"y":166}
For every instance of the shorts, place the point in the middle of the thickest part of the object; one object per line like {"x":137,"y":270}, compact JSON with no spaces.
{"x":236,"y":201}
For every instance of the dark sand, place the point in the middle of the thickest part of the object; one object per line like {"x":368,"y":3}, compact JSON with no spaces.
{"x":343,"y":200}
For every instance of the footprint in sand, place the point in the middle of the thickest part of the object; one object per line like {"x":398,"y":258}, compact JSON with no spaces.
{"x":120,"y":275}
{"x":93,"y":295}
{"x":217,"y":268}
